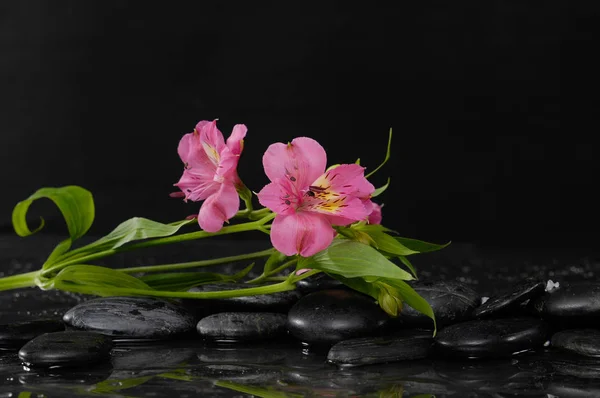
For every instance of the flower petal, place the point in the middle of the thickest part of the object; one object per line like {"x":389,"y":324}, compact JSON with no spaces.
{"x":197,"y":186}
{"x":235,"y":140}
{"x":212,"y":140}
{"x":345,"y":179}
{"x":274,"y":196}
{"x":218,"y":208}
{"x":375,"y":217}
{"x":301,"y":233}
{"x":301,"y":162}
{"x":342,"y":210}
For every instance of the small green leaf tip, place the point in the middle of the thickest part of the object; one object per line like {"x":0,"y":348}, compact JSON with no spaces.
{"x":387,"y":155}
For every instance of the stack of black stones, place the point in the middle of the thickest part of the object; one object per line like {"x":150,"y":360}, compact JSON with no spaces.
{"x":324,"y":315}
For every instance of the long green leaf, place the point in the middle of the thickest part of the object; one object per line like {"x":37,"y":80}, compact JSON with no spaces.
{"x":408,"y":265}
{"x":412,"y":298}
{"x":75,"y":203}
{"x":352,"y":259}
{"x":182,"y":281}
{"x":389,"y":244}
{"x":100,"y":278}
{"x":257,"y":391}
{"x":381,"y":189}
{"x":387,"y":155}
{"x":418,"y":246}
{"x":136,"y":228}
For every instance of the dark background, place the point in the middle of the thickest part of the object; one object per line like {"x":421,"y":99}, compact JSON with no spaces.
{"x":493,"y":105}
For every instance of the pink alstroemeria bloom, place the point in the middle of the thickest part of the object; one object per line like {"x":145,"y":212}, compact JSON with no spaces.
{"x":375,"y":217}
{"x":210,"y":172}
{"x":307,"y":199}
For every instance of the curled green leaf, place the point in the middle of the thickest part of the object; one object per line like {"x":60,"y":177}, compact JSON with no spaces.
{"x":387,"y":155}
{"x":75,"y":203}
{"x":381,"y":189}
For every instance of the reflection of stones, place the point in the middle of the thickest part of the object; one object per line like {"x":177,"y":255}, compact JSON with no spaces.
{"x":578,"y":341}
{"x":150,"y":357}
{"x":256,"y":353}
{"x":402,"y":346}
{"x":329,"y":316}
{"x":66,"y":349}
{"x":66,"y":377}
{"x":511,"y":300}
{"x":317,"y":282}
{"x":242,"y":326}
{"x":572,"y":305}
{"x":277,"y":302}
{"x":491,"y":338}
{"x":576,"y":366}
{"x":573,"y":387}
{"x":17,"y":334}
{"x":237,"y":373}
{"x":451,"y":302}
{"x":131,"y":317}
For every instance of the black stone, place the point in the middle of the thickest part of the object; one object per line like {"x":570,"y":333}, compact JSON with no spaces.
{"x":17,"y":334}
{"x":318,"y":282}
{"x":451,"y":302}
{"x":489,"y":338}
{"x":330,"y":316}
{"x":131,"y":318}
{"x":150,"y":357}
{"x":277,"y":302}
{"x":510,"y":301}
{"x":70,"y":348}
{"x":578,"y":341}
{"x":242,"y":326}
{"x":575,"y":305}
{"x":403,"y":346}
{"x":253,"y":353}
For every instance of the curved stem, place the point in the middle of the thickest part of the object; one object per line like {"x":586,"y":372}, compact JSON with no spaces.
{"x":196,"y":264}
{"x":275,"y":271}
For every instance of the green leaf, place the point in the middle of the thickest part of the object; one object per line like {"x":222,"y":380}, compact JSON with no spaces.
{"x":418,"y":246}
{"x":412,"y":298}
{"x":58,"y":251}
{"x":381,"y":190}
{"x":96,"y":280}
{"x":389,"y":244}
{"x":262,"y":392}
{"x":182,"y":281}
{"x":408,"y":264}
{"x":75,"y":203}
{"x":387,"y":155}
{"x":273,"y":261}
{"x":352,"y":259}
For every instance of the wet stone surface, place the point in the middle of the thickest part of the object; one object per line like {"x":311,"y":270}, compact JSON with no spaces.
{"x":451,"y":302}
{"x":330,"y":316}
{"x":403,"y":346}
{"x":242,"y":326}
{"x":19,"y":333}
{"x":578,"y":341}
{"x":69,"y":348}
{"x":491,"y":338}
{"x":278,"y":302}
{"x":571,"y":305}
{"x":318,"y":282}
{"x":131,"y":318}
{"x":509,"y":301}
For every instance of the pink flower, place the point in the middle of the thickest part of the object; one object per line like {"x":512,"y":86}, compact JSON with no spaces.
{"x":375,"y":216}
{"x":307,"y":199}
{"x":210,"y":172}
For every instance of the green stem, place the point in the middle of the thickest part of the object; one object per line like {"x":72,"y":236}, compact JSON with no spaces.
{"x":201,"y":263}
{"x":249,"y":226}
{"x":275,"y":271}
{"x":295,"y":278}
{"x":18,"y":281}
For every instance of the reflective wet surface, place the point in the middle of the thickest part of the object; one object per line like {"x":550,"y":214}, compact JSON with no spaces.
{"x":286,"y":368}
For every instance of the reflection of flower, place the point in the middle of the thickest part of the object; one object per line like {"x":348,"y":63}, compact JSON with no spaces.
{"x":210,"y":172}
{"x":375,"y":216}
{"x":307,"y":199}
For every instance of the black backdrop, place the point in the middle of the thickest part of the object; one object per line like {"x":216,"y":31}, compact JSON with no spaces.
{"x":493,"y":104}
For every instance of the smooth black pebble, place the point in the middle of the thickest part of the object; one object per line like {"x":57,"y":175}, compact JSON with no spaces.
{"x":18,"y":333}
{"x":330,"y":316}
{"x":242,"y":326}
{"x":509,"y":301}
{"x":131,"y":318}
{"x":403,"y":346}
{"x":490,"y":338}
{"x":70,"y":348}
{"x":277,"y":302}
{"x":318,"y":282}
{"x":578,"y":341}
{"x":451,"y":302}
{"x":575,"y":305}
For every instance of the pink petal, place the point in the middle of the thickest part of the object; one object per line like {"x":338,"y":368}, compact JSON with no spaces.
{"x":301,"y":162}
{"x":274,"y":196}
{"x":375,"y":217}
{"x":301,"y":233}
{"x":227,"y":167}
{"x":345,"y":179}
{"x":342,"y":210}
{"x":218,"y":208}
{"x":197,"y":186}
{"x":235,"y":140}
{"x":186,"y":145}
